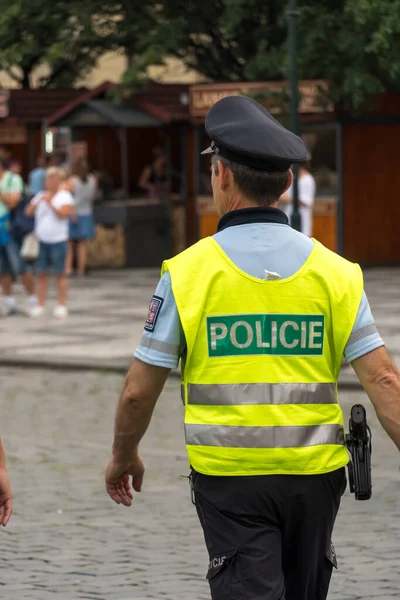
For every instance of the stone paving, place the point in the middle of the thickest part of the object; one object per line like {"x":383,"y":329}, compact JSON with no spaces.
{"x":107,"y":314}
{"x":67,"y":540}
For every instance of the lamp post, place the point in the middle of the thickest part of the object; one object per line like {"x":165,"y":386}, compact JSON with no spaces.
{"x":293,"y":15}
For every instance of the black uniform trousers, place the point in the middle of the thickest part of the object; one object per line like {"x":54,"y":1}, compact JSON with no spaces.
{"x":269,"y":537}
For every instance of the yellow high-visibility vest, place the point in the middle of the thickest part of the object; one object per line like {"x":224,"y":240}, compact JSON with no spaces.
{"x":263,"y":358}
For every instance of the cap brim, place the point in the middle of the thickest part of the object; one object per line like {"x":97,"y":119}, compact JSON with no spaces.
{"x":208,"y":151}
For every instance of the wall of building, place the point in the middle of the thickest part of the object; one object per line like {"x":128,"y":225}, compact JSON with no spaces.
{"x":371,"y":180}
{"x":111,"y":67}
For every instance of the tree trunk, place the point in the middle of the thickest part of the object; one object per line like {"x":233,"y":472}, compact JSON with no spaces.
{"x":26,"y":79}
{"x":129,"y":58}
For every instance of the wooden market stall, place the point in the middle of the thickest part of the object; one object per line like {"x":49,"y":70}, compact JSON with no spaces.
{"x":371,"y":182}
{"x":354,"y":162}
{"x":21,"y":120}
{"x":117,"y":138}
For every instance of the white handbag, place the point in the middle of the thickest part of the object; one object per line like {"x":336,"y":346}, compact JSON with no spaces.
{"x":30,"y":247}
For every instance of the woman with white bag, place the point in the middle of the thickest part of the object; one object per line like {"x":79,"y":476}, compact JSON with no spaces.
{"x":52,"y":209}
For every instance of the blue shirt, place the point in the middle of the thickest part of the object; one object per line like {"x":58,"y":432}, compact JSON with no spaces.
{"x":36,"y":181}
{"x":254,"y":248}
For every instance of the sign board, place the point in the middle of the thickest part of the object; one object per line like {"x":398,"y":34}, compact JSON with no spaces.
{"x":203,"y":97}
{"x":4,"y":106}
{"x":273,"y":334}
{"x":10,"y":134}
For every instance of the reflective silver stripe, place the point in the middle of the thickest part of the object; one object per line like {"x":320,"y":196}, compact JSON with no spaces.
{"x":261,"y":393}
{"x":165,"y":347}
{"x":263,"y":437}
{"x":362,"y":333}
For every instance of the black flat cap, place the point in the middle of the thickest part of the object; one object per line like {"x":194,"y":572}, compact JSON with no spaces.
{"x":244,"y":132}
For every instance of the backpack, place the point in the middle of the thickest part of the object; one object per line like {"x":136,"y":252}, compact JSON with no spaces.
{"x":21,"y":225}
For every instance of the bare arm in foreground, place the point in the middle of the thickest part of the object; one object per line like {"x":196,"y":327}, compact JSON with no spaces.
{"x":381,"y":380}
{"x":5,"y":490}
{"x":143,"y":385}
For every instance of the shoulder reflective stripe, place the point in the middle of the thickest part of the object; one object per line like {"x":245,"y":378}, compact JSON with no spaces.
{"x":148,"y":342}
{"x":362,"y":333}
{"x":263,"y":437}
{"x":262,"y":393}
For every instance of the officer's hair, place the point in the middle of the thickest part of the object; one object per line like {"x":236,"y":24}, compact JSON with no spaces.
{"x":264,"y":187}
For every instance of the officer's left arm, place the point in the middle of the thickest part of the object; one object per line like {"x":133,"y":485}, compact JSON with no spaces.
{"x":365,"y":336}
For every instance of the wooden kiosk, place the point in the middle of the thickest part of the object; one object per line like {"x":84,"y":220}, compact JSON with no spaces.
{"x":354,"y":160}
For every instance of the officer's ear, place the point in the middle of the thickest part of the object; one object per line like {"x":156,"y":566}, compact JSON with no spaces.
{"x":225,"y":176}
{"x":290,"y":181}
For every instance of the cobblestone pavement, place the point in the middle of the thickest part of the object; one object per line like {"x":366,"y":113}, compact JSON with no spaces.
{"x":107,"y":314}
{"x":108,"y":310}
{"x":67,"y":540}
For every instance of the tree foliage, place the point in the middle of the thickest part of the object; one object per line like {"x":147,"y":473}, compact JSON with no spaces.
{"x":136,"y":28}
{"x":63,"y":35}
{"x":234,"y":40}
{"x":353,"y":44}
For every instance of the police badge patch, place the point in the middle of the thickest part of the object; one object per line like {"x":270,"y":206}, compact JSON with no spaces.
{"x":152,"y":315}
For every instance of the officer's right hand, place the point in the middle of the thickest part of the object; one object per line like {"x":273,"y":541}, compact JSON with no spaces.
{"x":118,"y":484}
{"x":5,"y":497}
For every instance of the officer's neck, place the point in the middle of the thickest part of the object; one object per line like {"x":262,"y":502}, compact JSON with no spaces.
{"x":240,"y":202}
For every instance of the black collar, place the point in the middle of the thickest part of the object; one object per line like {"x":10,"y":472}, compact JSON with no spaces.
{"x":243,"y":216}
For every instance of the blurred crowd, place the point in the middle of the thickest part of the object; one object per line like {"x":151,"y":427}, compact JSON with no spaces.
{"x":45,"y":224}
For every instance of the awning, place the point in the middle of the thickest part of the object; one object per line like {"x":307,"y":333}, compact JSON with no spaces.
{"x":95,"y":113}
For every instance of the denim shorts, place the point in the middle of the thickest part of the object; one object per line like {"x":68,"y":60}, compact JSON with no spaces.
{"x":51,"y":257}
{"x":82,"y":228}
{"x":11,"y":261}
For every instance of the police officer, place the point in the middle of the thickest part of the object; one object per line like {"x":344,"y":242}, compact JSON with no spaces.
{"x":261,"y":316}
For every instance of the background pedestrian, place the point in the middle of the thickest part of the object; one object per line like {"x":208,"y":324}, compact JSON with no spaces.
{"x":12,"y":194}
{"x":52,"y":209}
{"x":306,"y":191}
{"x":37,"y":177}
{"x":81,"y":227}
{"x":154,"y":178}
{"x":5,"y":490}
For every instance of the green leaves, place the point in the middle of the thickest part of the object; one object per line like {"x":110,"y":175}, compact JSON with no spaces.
{"x":59,"y":34}
{"x":354,"y":44}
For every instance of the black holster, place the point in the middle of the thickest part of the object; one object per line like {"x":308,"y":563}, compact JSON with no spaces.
{"x":358,"y":442}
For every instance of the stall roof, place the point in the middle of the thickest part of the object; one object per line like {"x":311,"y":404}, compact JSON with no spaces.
{"x":162,"y":103}
{"x":105,"y":113}
{"x":30,"y":107}
{"x":172,"y":98}
{"x":65,"y":109}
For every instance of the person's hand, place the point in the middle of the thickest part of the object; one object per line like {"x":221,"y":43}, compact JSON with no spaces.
{"x":5,"y":497}
{"x":118,"y":484}
{"x":74,"y":218}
